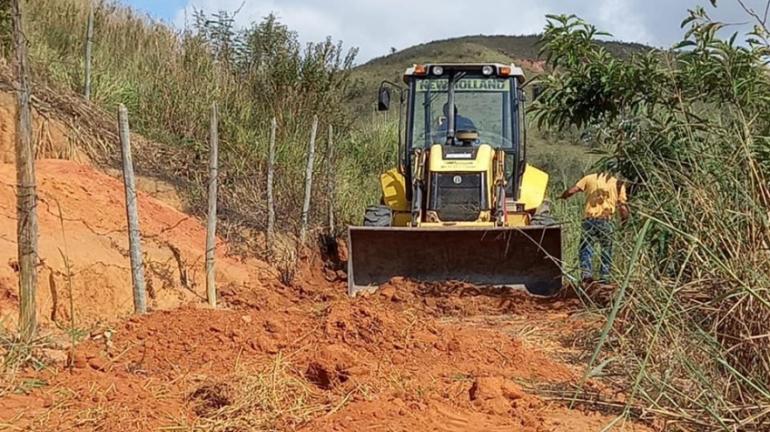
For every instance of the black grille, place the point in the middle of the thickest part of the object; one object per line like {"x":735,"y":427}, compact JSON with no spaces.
{"x":457,"y":197}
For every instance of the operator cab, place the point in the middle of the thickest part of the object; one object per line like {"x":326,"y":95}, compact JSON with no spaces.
{"x":467,"y":105}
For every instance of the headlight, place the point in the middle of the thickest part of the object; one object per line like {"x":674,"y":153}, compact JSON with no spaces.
{"x":487,"y":70}
{"x":438,"y":70}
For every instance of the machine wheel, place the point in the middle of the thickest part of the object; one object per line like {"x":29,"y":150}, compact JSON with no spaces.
{"x":378,"y":216}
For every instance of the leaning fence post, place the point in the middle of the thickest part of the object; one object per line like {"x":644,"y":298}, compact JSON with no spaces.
{"x":270,"y":201}
{"x":308,"y":181}
{"x":132,"y":214}
{"x":26,"y":190}
{"x":211,"y":225}
{"x":330,"y":178}
{"x":89,"y":46}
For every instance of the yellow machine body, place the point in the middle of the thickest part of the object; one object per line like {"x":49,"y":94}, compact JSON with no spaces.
{"x":534,"y":183}
{"x":489,"y":238}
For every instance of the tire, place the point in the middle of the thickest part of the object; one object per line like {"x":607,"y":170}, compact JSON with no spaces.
{"x":378,"y":216}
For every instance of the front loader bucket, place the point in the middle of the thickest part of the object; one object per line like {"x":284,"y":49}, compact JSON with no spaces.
{"x":527,"y":257}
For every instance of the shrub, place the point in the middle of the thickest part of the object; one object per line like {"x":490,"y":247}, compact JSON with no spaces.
{"x":689,"y":128}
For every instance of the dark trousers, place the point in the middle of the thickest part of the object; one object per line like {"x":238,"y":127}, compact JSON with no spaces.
{"x":596,"y":232}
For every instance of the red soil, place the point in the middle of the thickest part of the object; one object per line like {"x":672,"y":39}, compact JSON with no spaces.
{"x":303,"y":357}
{"x":94,"y":239}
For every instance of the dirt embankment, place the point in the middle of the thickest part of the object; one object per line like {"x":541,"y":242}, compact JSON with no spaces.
{"x":82,"y":218}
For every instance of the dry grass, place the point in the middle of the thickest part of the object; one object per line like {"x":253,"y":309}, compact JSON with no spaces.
{"x":275,"y":397}
{"x":155,"y":84}
{"x":18,"y":355}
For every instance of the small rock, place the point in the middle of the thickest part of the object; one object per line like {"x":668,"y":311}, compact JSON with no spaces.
{"x":78,"y":361}
{"x":484,"y":388}
{"x":329,"y":275}
{"x":56,"y":356}
{"x":265,"y":345}
{"x":388,"y":291}
{"x":272,"y":325}
{"x":454,"y":345}
{"x":512,"y":391}
{"x":246,"y":319}
{"x":486,"y":393}
{"x":98,"y":364}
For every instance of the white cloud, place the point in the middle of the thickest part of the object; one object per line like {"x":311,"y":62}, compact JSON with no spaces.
{"x":376,"y":25}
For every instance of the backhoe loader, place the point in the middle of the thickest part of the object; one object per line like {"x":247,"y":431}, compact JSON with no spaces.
{"x":462,"y":203}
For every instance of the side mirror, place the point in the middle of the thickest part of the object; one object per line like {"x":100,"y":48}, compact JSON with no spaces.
{"x":537,"y":90}
{"x":383,"y":99}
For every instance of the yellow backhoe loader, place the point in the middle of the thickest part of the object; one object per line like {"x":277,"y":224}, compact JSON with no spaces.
{"x":462,"y":204}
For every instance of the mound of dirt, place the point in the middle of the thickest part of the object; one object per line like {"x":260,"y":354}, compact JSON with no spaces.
{"x":82,"y":218}
{"x":331,"y":367}
{"x":492,"y":390}
{"x":310,"y":358}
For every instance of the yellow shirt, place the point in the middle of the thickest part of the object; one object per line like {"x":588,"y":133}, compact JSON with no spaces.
{"x":602,"y":195}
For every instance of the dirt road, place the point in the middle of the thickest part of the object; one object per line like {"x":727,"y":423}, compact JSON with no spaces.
{"x":305,"y":357}
{"x":301,"y":356}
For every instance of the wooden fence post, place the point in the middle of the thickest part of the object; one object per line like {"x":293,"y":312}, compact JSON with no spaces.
{"x":308,"y":181}
{"x":330,"y":178}
{"x":89,"y":46}
{"x":26,"y":191}
{"x":132,"y":213}
{"x":270,"y":200}
{"x":211,"y":223}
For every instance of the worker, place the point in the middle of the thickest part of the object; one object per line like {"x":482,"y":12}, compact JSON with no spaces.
{"x":604,"y":195}
{"x":461,"y":123}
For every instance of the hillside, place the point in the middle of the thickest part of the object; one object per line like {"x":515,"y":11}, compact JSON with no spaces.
{"x":561,"y":153}
{"x":522,"y":50}
{"x":275,"y":355}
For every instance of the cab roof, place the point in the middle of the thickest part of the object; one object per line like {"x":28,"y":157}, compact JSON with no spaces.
{"x":500,"y":69}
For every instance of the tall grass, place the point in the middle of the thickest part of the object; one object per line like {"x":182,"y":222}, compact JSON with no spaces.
{"x":168,"y":79}
{"x":689,"y":341}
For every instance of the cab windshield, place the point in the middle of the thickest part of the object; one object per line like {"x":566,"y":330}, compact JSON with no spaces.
{"x":483,"y":104}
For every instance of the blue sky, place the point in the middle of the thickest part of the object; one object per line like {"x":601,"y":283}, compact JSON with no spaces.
{"x":374,"y":26}
{"x":163,"y":9}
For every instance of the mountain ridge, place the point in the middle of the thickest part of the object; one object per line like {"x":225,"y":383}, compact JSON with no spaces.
{"x":522,"y":50}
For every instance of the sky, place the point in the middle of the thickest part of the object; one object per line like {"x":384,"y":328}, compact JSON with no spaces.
{"x":374,"y":26}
